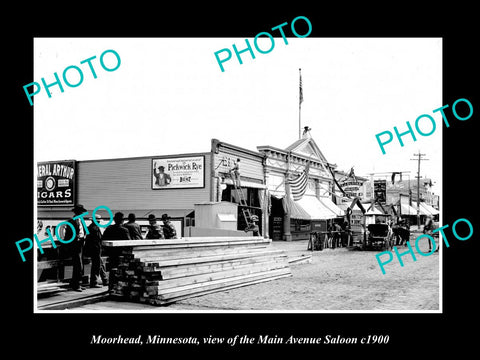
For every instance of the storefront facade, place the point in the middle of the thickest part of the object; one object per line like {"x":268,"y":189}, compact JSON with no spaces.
{"x":250,"y":165}
{"x":293,"y":217}
{"x":132,"y":185}
{"x":163,"y":184}
{"x":174,"y":184}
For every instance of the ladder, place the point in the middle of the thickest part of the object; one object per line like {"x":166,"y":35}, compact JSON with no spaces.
{"x":247,"y":215}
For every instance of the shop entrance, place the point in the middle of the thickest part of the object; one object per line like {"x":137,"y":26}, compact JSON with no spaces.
{"x":276,"y":219}
{"x":253,"y":201}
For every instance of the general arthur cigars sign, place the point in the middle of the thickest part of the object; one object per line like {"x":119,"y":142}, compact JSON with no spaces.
{"x":56,"y":183}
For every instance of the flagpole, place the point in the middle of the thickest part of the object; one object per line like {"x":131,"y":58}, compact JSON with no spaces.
{"x":300,"y":99}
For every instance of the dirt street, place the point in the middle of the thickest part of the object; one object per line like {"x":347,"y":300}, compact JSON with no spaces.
{"x":337,"y":279}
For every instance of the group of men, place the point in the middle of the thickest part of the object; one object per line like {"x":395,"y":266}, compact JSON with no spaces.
{"x":89,"y":242}
{"x":338,"y":235}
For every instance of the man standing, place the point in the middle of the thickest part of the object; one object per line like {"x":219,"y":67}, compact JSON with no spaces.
{"x":427,"y":229}
{"x":74,"y":247}
{"x":133,"y":228}
{"x":155,"y":231}
{"x":161,"y":177}
{"x":116,"y":231}
{"x":168,"y":228}
{"x":93,"y":248}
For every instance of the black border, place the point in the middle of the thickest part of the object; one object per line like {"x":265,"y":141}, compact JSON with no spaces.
{"x":415,"y":335}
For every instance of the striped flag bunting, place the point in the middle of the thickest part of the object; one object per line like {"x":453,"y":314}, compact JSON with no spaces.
{"x":298,"y":185}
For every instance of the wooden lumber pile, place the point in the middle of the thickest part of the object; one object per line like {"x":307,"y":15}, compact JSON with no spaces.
{"x":160,"y":272}
{"x":49,"y":288}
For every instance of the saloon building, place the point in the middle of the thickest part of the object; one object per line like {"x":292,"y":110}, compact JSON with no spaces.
{"x":290,"y":218}
{"x":290,"y":190}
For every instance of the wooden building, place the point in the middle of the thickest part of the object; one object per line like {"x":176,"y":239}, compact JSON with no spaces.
{"x":177,"y":184}
{"x":162,"y":184}
{"x":291,"y":219}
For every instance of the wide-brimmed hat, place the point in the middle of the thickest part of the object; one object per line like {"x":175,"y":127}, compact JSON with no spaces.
{"x":152,"y":217}
{"x":79,"y":207}
{"x":118,"y":216}
{"x":165,"y":217}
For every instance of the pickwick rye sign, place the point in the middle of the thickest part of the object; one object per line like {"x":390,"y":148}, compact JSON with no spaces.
{"x":56,"y":183}
{"x":178,"y":172}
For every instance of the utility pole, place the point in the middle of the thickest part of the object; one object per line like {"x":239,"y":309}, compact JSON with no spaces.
{"x":419,"y":159}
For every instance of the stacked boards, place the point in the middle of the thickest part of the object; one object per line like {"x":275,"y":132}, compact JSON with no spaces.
{"x":160,"y":272}
{"x":49,"y":288}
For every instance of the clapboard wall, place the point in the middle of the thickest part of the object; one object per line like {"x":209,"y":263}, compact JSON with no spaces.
{"x":227,"y":155}
{"x":127,"y":184}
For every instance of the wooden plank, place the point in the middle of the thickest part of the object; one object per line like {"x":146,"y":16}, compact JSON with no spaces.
{"x":220,"y":257}
{"x":210,"y":291}
{"x":182,"y":241}
{"x":190,"y":274}
{"x":214,"y":265}
{"x":211,"y":263}
{"x":165,"y":270}
{"x":187,"y":289}
{"x":74,"y":302}
{"x":190,"y":246}
{"x":215,"y":286}
{"x":202,"y":278}
{"x":183,"y":253}
{"x":304,"y":259}
{"x":195,"y":275}
{"x":171,"y":273}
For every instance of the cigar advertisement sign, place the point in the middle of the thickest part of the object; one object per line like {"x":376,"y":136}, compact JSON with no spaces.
{"x":178,"y":173}
{"x":56,"y":183}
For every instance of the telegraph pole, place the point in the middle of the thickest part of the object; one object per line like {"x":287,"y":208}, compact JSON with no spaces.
{"x":419,"y":159}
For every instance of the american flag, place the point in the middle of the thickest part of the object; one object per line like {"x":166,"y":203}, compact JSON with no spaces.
{"x":298,"y":185}
{"x":301,"y":90}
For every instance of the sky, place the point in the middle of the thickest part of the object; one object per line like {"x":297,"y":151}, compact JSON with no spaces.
{"x":169,"y":96}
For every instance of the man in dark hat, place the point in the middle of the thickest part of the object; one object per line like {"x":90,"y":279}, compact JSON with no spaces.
{"x":116,"y":231}
{"x":168,"y":228}
{"x":93,"y":243}
{"x":133,"y":228}
{"x":162,"y":178}
{"x":74,"y":247}
{"x":155,"y":231}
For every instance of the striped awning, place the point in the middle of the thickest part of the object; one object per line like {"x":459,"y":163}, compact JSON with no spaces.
{"x":315,"y":208}
{"x":294,"y":209}
{"x":429,"y":209}
{"x":407,"y":210}
{"x":332,"y":207}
